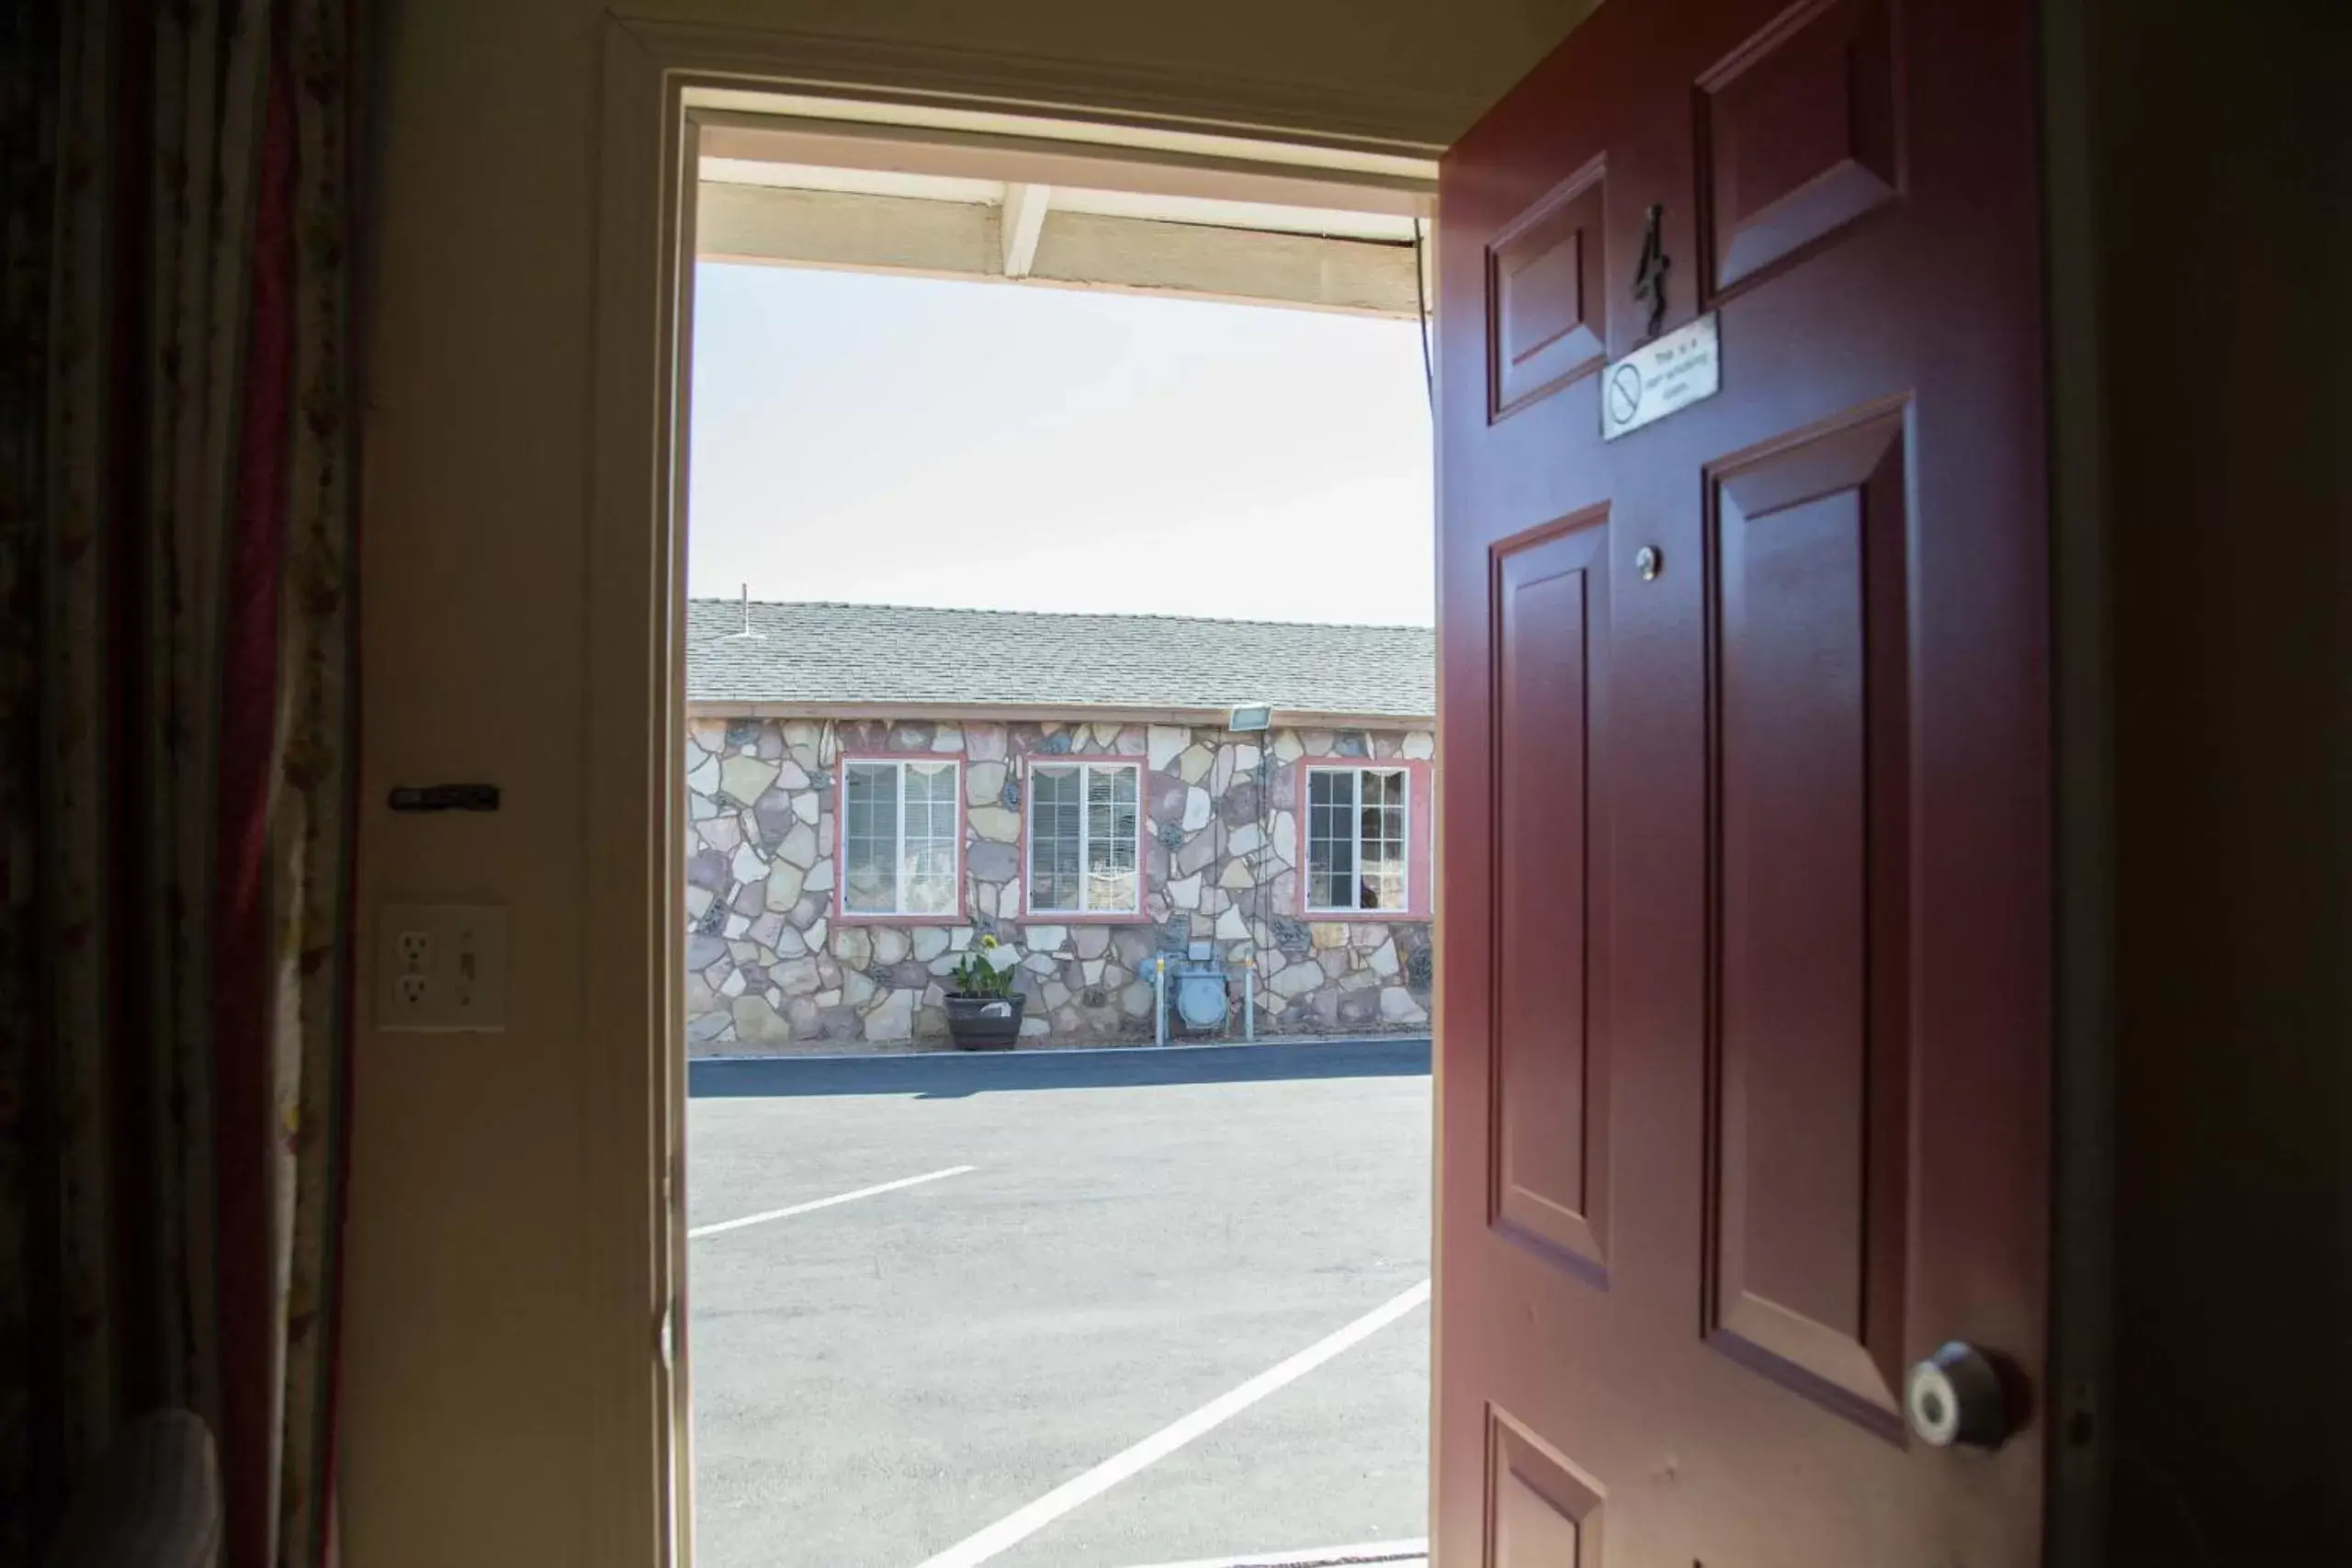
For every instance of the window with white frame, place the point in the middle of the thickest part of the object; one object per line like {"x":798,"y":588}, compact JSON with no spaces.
{"x":1355,"y":839}
{"x":902,"y":849}
{"x":1084,"y":823}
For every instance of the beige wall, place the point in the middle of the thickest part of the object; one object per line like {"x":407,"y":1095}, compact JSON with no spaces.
{"x":472,"y":1401}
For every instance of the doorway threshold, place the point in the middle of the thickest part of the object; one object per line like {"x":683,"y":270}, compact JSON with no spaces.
{"x":1368,"y":1554}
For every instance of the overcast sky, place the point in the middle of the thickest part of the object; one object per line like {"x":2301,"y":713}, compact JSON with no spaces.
{"x":892,"y":440}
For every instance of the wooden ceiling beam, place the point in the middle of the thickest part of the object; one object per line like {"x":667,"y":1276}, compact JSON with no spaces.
{"x":1024,"y":219}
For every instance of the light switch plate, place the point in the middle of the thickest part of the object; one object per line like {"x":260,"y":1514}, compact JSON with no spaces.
{"x":441,"y":967}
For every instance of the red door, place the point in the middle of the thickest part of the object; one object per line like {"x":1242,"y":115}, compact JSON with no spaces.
{"x":1745,"y":1055}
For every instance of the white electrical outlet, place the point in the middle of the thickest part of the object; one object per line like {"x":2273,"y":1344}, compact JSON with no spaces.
{"x":441,"y":967}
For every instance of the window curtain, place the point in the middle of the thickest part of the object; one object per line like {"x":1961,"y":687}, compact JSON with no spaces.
{"x":176,"y":737}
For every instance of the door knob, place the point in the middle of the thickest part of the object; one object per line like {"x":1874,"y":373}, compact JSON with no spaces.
{"x":1955,"y":1398}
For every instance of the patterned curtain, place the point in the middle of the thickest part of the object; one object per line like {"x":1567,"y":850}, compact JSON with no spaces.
{"x":176,"y":736}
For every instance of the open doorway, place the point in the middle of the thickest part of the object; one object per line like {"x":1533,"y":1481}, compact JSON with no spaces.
{"x":1059,"y":687}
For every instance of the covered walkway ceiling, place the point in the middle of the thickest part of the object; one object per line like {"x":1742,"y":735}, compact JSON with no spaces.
{"x":1232,"y":224}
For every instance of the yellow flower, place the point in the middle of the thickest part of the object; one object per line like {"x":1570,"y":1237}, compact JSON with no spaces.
{"x":987,"y":942}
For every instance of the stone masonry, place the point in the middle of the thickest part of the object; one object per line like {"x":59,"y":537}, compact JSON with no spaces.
{"x":771,"y":969}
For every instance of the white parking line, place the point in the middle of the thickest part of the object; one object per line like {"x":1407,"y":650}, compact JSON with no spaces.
{"x":1366,"y":1554}
{"x":1023,"y":1523}
{"x":761,"y":1219}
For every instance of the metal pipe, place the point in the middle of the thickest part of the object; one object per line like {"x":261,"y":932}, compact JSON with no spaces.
{"x":1160,"y":1001}
{"x":1250,"y":1000}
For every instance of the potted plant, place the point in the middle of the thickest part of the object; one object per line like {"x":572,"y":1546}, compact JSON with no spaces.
{"x":983,"y":1009}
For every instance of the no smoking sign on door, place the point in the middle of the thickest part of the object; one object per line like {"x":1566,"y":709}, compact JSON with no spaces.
{"x":1660,"y":377}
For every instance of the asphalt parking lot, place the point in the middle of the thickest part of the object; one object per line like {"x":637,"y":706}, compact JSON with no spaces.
{"x":1106,"y":1309}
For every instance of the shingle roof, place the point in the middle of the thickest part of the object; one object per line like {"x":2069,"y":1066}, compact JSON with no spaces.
{"x":890,"y":654}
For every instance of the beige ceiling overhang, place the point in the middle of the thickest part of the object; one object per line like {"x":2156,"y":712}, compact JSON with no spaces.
{"x":1229,"y":223}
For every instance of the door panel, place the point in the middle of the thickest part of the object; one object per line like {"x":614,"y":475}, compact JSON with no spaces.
{"x":1743,"y":1052}
{"x":1542,"y":1513}
{"x":1809,"y":1053}
{"x":1549,"y":318}
{"x":1551,"y":1047}
{"x":1797,"y":135}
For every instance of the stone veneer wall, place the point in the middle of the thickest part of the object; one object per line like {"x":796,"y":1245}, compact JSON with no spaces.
{"x":769,"y":969}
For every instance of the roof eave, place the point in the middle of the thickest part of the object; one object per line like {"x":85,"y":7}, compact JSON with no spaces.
{"x":1067,"y":713}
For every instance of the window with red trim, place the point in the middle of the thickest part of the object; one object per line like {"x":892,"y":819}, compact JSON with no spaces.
{"x":901,"y":838}
{"x":1359,"y":825}
{"x":1085,"y":831}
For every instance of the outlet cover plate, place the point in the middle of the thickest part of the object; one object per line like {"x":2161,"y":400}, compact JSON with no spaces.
{"x":441,"y":968}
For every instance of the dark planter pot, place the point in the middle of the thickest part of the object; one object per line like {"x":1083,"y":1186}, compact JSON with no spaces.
{"x":985,"y":1023}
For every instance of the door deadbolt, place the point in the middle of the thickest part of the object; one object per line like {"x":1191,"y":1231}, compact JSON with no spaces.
{"x":1649,"y":560}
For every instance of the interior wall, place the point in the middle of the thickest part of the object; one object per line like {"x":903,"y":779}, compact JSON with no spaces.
{"x":469,"y":1429}
{"x":2225,"y":180}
